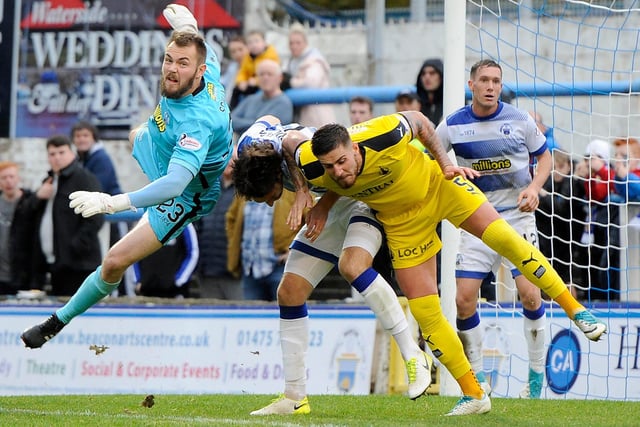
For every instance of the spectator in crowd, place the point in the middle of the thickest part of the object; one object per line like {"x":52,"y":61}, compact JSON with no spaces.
{"x":237,"y":48}
{"x":94,"y":157}
{"x":547,"y":131}
{"x":68,"y":244}
{"x":595,"y":171}
{"x":560,"y":219}
{"x":168,"y":272}
{"x":215,"y":279}
{"x":627,"y":169}
{"x":307,"y":68}
{"x":270,"y":100}
{"x":360,"y":109}
{"x":16,"y":231}
{"x":476,"y":132}
{"x":408,"y":100}
{"x":601,"y":236}
{"x":247,"y":77}
{"x":259,"y":240}
{"x":183,"y":158}
{"x":430,"y":89}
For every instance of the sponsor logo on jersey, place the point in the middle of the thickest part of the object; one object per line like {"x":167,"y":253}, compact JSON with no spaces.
{"x":488,"y":165}
{"x":373,"y":190}
{"x":157,"y":117}
{"x":211,"y":90}
{"x":189,"y":143}
{"x":384,"y":171}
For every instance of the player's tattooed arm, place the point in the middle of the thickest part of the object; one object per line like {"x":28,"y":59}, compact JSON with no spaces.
{"x":424,"y":130}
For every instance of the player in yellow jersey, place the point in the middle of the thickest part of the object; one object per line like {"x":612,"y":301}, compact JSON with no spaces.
{"x":411,"y":192}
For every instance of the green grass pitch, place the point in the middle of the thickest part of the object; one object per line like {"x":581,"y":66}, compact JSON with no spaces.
{"x":374,"y":410}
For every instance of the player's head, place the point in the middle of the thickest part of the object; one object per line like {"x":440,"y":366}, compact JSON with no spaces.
{"x":339,"y":156}
{"x":257,"y":173}
{"x":485,"y":83}
{"x":183,"y":65}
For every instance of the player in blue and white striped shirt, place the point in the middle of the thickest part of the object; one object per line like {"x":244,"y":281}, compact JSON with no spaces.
{"x":498,"y":140}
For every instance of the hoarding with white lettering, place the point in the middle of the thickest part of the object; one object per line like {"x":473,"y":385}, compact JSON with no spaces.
{"x":183,"y":351}
{"x":97,"y":60}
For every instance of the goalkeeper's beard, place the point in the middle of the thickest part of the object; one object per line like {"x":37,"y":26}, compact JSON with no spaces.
{"x":181,"y":91}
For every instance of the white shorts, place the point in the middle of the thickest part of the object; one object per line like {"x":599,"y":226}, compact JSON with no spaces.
{"x":350,"y":223}
{"x":476,"y":260}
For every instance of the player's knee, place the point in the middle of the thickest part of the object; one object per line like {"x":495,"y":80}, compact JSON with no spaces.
{"x":353,"y":262}
{"x":351,"y":270}
{"x":291,"y":292}
{"x":530,"y":298}
{"x":113,"y":266}
{"x":465,"y":305}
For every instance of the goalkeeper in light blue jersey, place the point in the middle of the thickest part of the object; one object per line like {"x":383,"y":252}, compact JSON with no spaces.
{"x":183,"y":149}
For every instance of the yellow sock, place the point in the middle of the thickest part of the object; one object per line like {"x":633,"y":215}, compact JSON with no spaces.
{"x":470,"y":385}
{"x":503,"y":239}
{"x":570,"y":305}
{"x":440,"y":335}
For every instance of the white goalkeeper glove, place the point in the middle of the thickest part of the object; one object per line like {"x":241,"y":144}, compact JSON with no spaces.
{"x":180,"y":18}
{"x":89,"y":203}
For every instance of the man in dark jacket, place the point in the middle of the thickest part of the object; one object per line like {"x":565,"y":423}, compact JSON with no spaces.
{"x":68,"y":243}
{"x":430,"y":89}
{"x":16,"y":231}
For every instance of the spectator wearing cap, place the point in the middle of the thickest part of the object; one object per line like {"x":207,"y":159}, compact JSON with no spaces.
{"x":408,"y":100}
{"x":430,"y":89}
{"x":594,"y":169}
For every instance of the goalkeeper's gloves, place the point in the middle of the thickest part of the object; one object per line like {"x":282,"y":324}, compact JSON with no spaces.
{"x":180,"y":18}
{"x":89,"y":203}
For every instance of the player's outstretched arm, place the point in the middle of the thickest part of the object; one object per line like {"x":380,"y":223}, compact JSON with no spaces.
{"x":180,"y":18}
{"x":171,"y":185}
{"x":90,"y":203}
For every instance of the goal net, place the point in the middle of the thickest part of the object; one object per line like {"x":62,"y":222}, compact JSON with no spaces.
{"x":573,"y":64}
